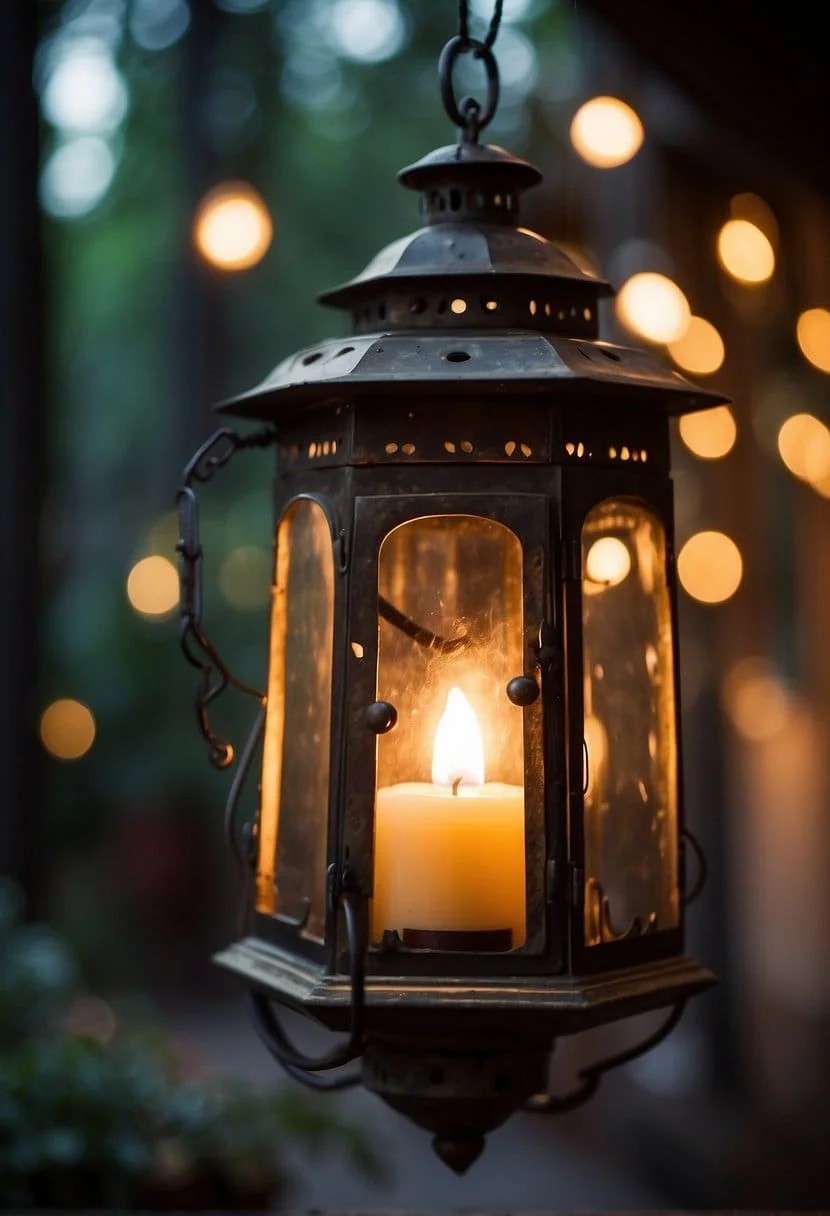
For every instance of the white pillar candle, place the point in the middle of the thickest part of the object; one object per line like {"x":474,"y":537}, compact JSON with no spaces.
{"x":450,"y":855}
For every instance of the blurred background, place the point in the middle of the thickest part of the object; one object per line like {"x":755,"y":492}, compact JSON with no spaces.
{"x":180,"y":179}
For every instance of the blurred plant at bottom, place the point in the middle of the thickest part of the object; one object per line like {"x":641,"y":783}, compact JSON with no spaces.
{"x":99,"y":1110}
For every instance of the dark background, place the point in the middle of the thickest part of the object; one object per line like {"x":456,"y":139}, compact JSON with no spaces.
{"x":117,"y":340}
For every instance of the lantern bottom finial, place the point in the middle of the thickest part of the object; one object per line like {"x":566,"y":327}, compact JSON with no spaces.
{"x":458,"y":1152}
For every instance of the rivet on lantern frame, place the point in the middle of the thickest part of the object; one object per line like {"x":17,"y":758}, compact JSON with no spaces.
{"x":474,"y":550}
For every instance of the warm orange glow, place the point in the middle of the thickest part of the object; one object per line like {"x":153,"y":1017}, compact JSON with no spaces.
{"x":745,"y":252}
{"x":710,"y":434}
{"x":232,"y":228}
{"x":245,"y":577}
{"x":607,"y":562}
{"x":596,"y":745}
{"x":653,"y":306}
{"x":710,"y":567}
{"x":153,"y":586}
{"x":813,"y":333}
{"x":700,"y":350}
{"x":606,"y":132}
{"x":758,"y":704}
{"x":459,"y":750}
{"x":67,"y":729}
{"x":804,"y":446}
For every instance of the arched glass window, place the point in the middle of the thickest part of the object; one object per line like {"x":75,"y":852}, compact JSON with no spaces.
{"x":630,"y":750}
{"x":450,"y":812}
{"x":291,"y":875}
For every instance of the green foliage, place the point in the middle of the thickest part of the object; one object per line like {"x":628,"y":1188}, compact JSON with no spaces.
{"x":100,"y":1112}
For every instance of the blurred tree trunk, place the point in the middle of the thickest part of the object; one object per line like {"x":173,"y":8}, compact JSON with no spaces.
{"x":22,"y":319}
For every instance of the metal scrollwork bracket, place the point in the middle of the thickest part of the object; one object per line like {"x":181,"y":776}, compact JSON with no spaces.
{"x":197,"y":648}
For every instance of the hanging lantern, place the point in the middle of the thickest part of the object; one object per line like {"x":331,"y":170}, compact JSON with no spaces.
{"x":469,"y":838}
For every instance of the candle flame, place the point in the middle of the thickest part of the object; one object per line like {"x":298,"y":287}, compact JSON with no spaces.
{"x":458,"y":755}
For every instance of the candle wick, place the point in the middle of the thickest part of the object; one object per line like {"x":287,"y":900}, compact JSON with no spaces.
{"x":455,"y":786}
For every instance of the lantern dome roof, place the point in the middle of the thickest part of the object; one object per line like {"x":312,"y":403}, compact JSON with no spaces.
{"x":471,"y":296}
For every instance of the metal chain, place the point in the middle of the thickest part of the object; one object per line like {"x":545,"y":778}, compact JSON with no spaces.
{"x":464,"y":22}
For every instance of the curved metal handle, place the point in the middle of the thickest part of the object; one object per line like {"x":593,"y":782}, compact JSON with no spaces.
{"x":555,"y":1104}
{"x":197,"y":648}
{"x":272,"y":1034}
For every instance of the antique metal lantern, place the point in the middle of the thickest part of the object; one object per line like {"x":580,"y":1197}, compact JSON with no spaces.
{"x":469,"y":835}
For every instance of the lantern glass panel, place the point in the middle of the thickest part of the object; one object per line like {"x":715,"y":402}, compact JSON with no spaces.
{"x":291,"y":875}
{"x":449,"y":812}
{"x":630,"y":749}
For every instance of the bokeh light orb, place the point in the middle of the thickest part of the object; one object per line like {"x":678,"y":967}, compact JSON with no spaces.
{"x":606,"y":132}
{"x":153,"y":586}
{"x":745,"y":252}
{"x":804,"y":447}
{"x":607,"y":562}
{"x":232,"y":228}
{"x":67,"y":729}
{"x":700,"y":349}
{"x":653,"y":306}
{"x":813,"y":334}
{"x":709,"y":434}
{"x":710,"y":567}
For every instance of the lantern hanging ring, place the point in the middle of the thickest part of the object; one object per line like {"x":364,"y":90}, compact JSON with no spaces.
{"x":469,"y":115}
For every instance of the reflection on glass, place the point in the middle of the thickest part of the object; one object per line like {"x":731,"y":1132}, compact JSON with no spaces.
{"x":291,"y":874}
{"x":630,"y":779}
{"x":449,"y":815}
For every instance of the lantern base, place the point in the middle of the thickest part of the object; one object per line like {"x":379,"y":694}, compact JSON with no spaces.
{"x":459,"y":1090}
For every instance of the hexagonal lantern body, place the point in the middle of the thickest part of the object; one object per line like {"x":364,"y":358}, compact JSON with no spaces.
{"x":471,"y":737}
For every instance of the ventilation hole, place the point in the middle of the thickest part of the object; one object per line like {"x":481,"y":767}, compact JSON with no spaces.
{"x":391,"y":449}
{"x":442,"y":307}
{"x":508,"y":201}
{"x":449,"y":446}
{"x":436,"y":1076}
{"x":547,"y":309}
{"x":408,"y":449}
{"x":497,"y":200}
{"x":334,"y":447}
{"x":455,"y":199}
{"x":418,"y":306}
{"x":457,"y":356}
{"x":624,"y":453}
{"x":510,"y":447}
{"x":644,"y":455}
{"x":433,"y":197}
{"x":480,"y":199}
{"x":612,"y":452}
{"x":609,"y":354}
{"x":312,"y":358}
{"x":326,"y":447}
{"x":580,"y":449}
{"x":346,"y":350}
{"x":312,"y":450}
{"x":570,"y":449}
{"x":382,"y":311}
{"x":586,"y":312}
{"x":560,"y":316}
{"x":526,"y":449}
{"x":573,"y":311}
{"x":466,"y":446}
{"x":489,"y":305}
{"x":442,"y":203}
{"x":459,"y":307}
{"x":635,"y":455}
{"x":532,"y":307}
{"x":357,"y":650}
